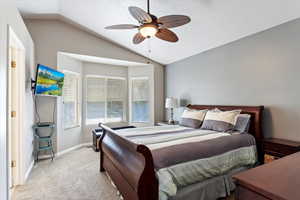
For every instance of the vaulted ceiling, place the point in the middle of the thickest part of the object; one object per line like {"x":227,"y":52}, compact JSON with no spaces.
{"x":214,"y":22}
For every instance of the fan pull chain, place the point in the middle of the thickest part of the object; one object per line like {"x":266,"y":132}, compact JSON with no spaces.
{"x":149,"y":50}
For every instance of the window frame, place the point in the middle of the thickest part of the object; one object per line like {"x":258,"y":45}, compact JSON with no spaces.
{"x":131,"y":98}
{"x":77,"y":100}
{"x":124,"y":100}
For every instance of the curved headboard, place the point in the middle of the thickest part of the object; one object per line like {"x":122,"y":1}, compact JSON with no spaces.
{"x":255,"y":128}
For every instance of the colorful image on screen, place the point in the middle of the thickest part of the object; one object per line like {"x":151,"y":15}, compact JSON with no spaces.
{"x":49,"y":82}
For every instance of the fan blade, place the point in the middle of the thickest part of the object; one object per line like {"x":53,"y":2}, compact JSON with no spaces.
{"x":166,"y":34}
{"x":140,"y":15}
{"x":138,"y":38}
{"x":122,"y":26}
{"x":171,"y":21}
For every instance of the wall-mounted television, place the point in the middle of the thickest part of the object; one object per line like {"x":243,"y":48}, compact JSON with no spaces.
{"x":48,"y":82}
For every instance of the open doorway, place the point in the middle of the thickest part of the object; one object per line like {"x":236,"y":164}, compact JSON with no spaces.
{"x":16,"y":80}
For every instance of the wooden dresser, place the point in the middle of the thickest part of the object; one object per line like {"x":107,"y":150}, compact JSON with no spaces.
{"x":278,"y":180}
{"x":277,"y":148}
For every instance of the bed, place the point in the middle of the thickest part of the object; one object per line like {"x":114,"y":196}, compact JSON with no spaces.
{"x":145,"y":164}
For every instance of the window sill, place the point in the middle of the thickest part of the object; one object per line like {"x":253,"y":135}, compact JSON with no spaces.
{"x":92,"y":123}
{"x":96,"y":122}
{"x":72,"y":127}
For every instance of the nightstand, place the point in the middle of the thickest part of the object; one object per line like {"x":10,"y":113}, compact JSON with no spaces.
{"x":278,"y":148}
{"x":164,"y":123}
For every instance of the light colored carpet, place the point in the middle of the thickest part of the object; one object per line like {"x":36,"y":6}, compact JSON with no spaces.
{"x":73,"y":176}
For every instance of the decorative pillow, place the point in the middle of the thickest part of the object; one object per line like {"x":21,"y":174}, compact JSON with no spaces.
{"x":192,"y":118}
{"x":242,"y":123}
{"x":220,"y":121}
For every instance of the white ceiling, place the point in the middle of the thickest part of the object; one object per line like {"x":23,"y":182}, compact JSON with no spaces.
{"x":214,"y":22}
{"x":108,"y":61}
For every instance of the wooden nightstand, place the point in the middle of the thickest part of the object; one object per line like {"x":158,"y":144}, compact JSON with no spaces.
{"x":278,"y":148}
{"x":164,"y":123}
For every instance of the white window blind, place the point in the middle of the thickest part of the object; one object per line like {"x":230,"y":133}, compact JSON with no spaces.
{"x":140,"y":100}
{"x":115,"y":99}
{"x":71,"y":100}
{"x":96,"y":98}
{"x":105,"y":99}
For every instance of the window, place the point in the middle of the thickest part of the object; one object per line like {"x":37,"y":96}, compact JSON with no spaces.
{"x":105,"y":99}
{"x":71,"y":99}
{"x":95,"y":109}
{"x":115,"y":99}
{"x":140,"y":99}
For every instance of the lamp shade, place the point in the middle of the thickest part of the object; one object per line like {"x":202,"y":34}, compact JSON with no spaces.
{"x":171,"y":102}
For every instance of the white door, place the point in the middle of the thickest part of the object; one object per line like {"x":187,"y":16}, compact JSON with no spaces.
{"x":9,"y":120}
{"x":16,"y":89}
{"x":10,"y":117}
{"x":12,"y":114}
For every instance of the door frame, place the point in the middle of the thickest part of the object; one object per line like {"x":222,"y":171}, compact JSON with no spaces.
{"x":14,"y":41}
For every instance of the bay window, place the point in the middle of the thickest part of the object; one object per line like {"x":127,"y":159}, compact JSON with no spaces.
{"x":105,"y":99}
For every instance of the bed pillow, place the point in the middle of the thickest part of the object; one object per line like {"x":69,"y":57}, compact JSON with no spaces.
{"x":222,"y":121}
{"x":192,"y":118}
{"x":242,"y":123}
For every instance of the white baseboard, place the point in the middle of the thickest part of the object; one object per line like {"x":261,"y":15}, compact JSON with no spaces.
{"x":73,"y":148}
{"x":58,"y":154}
{"x":11,"y":192}
{"x":28,"y":171}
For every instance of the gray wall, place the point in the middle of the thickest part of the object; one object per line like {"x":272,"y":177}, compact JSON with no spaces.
{"x":262,"y":69}
{"x":9,"y":15}
{"x":53,"y":36}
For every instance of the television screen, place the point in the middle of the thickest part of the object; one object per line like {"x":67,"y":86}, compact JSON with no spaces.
{"x":49,"y":82}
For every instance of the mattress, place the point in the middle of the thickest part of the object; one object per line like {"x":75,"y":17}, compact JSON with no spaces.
{"x":184,"y":156}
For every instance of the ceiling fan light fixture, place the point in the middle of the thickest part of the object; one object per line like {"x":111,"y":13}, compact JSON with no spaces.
{"x":148,"y":30}
{"x":150,"y":26}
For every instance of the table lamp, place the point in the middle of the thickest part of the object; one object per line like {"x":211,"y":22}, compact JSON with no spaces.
{"x":171,"y":103}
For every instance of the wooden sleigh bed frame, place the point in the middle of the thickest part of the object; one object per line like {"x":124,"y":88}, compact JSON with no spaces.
{"x":131,"y":167}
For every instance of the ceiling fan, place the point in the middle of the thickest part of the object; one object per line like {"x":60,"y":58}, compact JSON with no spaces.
{"x":150,"y":25}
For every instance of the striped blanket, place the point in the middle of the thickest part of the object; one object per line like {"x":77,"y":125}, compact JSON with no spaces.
{"x":183,"y":156}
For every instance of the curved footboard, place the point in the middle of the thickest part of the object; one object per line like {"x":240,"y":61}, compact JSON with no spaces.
{"x":129,"y":165}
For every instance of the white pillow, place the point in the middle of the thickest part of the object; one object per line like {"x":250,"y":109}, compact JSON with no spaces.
{"x":222,"y":121}
{"x":192,"y":118}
